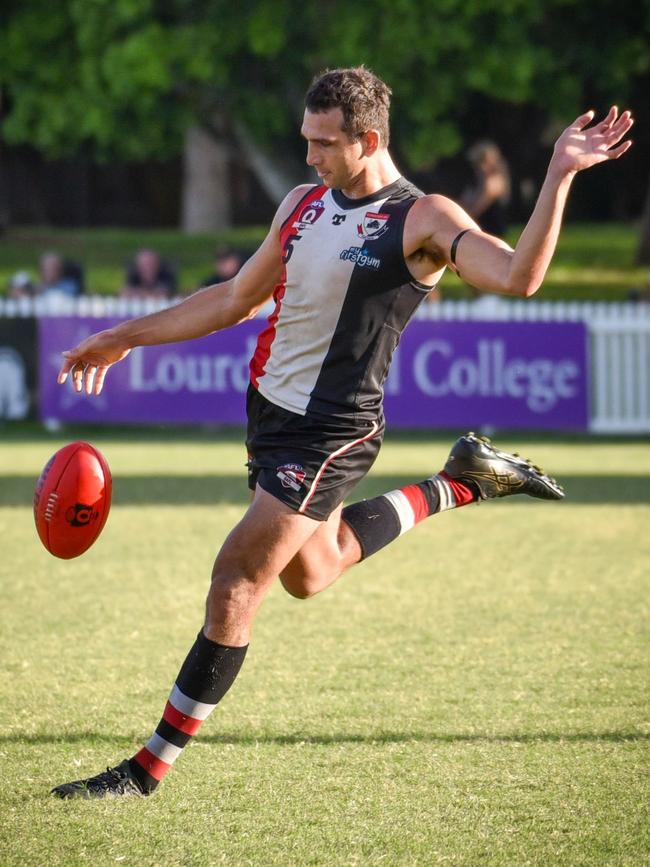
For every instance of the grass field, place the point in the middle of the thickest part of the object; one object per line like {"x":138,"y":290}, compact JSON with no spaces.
{"x":476,"y":694}
{"x":593,"y":261}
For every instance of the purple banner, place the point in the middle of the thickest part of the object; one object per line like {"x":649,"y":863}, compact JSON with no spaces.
{"x":502,"y":374}
{"x":445,"y":374}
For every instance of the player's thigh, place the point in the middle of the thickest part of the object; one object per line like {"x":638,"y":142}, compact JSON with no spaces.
{"x":320,"y":554}
{"x":263,"y":542}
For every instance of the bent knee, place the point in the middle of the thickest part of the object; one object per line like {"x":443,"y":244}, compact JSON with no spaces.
{"x":302,"y":588}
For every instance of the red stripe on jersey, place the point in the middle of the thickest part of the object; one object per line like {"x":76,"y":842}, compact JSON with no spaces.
{"x":417,"y":501}
{"x":266,"y":338}
{"x":154,"y":766}
{"x":186,"y":724}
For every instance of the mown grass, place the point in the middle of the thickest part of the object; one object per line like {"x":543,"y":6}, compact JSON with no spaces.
{"x":593,"y":261}
{"x":475,"y":694}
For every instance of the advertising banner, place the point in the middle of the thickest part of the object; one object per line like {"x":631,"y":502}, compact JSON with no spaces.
{"x":445,"y":374}
{"x":501,"y":374}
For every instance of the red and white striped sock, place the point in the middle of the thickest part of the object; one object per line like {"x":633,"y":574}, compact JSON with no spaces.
{"x":379,"y":521}
{"x":207,"y":673}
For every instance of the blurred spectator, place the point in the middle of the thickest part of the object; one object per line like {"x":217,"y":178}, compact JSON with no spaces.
{"x":227,"y":262}
{"x":21,"y":285}
{"x":487,"y":201}
{"x":640,"y":293}
{"x":149,"y":276}
{"x":54,"y":278}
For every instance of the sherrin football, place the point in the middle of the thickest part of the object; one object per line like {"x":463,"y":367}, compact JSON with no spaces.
{"x":72,"y":499}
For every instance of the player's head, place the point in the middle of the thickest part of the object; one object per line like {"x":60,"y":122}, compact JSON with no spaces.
{"x":364,"y":100}
{"x":346,"y":121}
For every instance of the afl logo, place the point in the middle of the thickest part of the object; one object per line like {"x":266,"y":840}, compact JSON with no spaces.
{"x":373,"y":226}
{"x":291,"y":475}
{"x":309,"y":214}
{"x":80,"y":514}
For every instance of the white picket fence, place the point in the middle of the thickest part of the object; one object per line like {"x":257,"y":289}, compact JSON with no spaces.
{"x":619,"y":337}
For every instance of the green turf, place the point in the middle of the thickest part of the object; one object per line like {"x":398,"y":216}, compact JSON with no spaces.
{"x":476,"y":694}
{"x":593,"y":261}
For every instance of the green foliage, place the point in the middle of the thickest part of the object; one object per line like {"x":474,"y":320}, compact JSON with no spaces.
{"x":127,"y":77}
{"x":592,"y":262}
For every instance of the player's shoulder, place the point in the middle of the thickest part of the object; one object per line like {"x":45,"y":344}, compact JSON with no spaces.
{"x":292,"y":200}
{"x":435,"y":202}
{"x":435,"y":208}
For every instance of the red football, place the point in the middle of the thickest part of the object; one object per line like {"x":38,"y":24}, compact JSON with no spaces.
{"x":72,"y":499}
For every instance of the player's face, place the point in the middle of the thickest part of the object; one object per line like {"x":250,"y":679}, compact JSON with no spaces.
{"x":336,"y":158}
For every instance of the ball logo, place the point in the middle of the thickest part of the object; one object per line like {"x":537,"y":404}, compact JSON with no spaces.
{"x":80,"y":515}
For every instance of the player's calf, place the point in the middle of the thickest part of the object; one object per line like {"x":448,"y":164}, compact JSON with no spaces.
{"x":474,"y":471}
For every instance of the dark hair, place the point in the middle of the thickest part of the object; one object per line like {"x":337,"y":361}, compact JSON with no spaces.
{"x":363,"y":98}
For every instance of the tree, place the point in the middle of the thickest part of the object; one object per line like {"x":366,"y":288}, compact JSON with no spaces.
{"x":129,"y":78}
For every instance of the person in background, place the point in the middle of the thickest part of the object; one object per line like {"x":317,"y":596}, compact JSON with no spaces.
{"x":227,"y":262}
{"x":149,"y":276}
{"x":487,"y":201}
{"x":21,"y":285}
{"x":53,"y":280}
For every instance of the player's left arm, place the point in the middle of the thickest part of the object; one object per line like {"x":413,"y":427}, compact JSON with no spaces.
{"x":489,"y":263}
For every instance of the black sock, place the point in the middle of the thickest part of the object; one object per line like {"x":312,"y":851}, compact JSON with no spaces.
{"x":379,"y":521}
{"x":205,"y":677}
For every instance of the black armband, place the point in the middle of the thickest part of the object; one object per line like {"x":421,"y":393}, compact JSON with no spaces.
{"x":454,"y":245}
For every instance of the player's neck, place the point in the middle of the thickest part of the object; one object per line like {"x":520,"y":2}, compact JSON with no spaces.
{"x":377,"y":174}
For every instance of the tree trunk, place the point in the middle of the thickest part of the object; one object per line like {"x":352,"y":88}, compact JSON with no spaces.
{"x":643,"y":253}
{"x":206,"y":183}
{"x":275,"y":174}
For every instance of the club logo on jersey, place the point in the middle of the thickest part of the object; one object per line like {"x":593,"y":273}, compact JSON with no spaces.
{"x":309,"y":214}
{"x":291,"y":476}
{"x":361,"y":257}
{"x":374,"y":225}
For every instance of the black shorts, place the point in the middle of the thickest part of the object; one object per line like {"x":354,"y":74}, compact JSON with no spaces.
{"x":309,"y":462}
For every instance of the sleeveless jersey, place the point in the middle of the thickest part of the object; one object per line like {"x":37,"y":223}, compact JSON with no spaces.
{"x":344,"y":299}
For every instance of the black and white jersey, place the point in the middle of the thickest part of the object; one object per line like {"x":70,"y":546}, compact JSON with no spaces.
{"x":345,"y":297}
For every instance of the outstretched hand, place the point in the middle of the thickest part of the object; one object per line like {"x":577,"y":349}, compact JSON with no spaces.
{"x":88,"y":363}
{"x":581,"y":146}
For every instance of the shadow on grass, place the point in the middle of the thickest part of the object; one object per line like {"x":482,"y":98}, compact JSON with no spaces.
{"x":306,"y":739}
{"x":217,"y":489}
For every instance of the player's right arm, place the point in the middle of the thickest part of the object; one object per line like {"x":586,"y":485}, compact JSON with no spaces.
{"x":206,"y":311}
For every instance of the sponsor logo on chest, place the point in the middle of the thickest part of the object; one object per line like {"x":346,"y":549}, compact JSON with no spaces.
{"x":361,"y":257}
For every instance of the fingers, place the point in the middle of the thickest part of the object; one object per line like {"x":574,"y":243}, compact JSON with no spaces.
{"x":67,"y":365}
{"x":615,"y":153}
{"x":100,"y":376}
{"x":609,"y":118}
{"x":87,"y":374}
{"x":77,"y":376}
{"x":584,"y":119}
{"x":616,"y":132}
{"x":85,"y":377}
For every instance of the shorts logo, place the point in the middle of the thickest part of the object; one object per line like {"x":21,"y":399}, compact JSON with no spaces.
{"x":291,"y":476}
{"x":374,"y":225}
{"x":361,"y":257}
{"x":309,"y":214}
